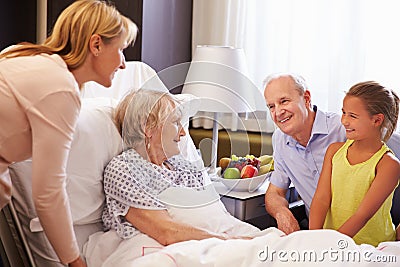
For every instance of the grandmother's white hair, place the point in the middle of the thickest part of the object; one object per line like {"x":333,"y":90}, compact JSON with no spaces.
{"x":143,"y":109}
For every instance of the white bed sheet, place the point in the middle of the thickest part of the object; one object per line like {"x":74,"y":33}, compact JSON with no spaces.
{"x":270,"y":247}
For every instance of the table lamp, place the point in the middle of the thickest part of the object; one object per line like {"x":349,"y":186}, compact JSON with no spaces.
{"x":218,"y":77}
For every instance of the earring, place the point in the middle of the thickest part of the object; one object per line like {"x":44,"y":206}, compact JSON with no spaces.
{"x":147,"y":142}
{"x":97,"y":54}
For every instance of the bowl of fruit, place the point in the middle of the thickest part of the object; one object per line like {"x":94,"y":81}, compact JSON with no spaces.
{"x":246,"y":173}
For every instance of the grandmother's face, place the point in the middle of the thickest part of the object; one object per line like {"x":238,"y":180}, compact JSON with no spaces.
{"x":171,"y":133}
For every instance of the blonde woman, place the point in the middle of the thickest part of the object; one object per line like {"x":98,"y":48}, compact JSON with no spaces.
{"x":40,"y":104}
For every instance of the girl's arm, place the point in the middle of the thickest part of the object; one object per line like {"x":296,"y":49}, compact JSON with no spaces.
{"x":159,"y":225}
{"x":386,"y":179}
{"x":322,"y":197}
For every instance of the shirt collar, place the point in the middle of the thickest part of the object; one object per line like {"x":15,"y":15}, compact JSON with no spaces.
{"x":320,"y":125}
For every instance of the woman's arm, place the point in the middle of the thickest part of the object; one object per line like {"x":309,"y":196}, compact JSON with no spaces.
{"x":323,"y":195}
{"x":386,"y":179}
{"x":53,"y":122}
{"x":159,"y":225}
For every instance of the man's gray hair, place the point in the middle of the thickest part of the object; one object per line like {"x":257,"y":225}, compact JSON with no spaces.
{"x":299,"y":81}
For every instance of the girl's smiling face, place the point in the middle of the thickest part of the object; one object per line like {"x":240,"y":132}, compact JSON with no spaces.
{"x":357,"y":121}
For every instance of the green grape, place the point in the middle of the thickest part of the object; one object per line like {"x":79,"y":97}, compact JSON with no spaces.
{"x":250,"y":156}
{"x":234,"y":157}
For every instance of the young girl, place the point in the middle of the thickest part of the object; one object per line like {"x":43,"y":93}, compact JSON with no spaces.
{"x":355,"y":190}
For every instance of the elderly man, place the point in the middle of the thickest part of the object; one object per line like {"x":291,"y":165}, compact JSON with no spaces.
{"x":299,"y":144}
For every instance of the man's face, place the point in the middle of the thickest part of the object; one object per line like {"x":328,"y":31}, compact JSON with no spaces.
{"x":288,"y":109}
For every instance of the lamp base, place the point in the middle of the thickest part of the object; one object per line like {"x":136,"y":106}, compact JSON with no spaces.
{"x":214,"y":148}
{"x":213,"y":173}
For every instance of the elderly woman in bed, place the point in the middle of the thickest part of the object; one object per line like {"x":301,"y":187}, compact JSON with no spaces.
{"x":149,"y":123}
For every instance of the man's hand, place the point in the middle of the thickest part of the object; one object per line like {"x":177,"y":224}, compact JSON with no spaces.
{"x":287,"y":222}
{"x":278,"y":207}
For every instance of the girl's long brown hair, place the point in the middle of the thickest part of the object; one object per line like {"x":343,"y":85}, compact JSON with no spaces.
{"x":378,"y":100}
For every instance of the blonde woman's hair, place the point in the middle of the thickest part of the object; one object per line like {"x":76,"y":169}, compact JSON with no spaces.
{"x":74,"y":28}
{"x":143,"y":110}
{"x":378,"y":100}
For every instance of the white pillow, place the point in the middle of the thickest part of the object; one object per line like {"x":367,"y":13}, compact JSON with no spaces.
{"x":96,"y":141}
{"x":136,"y":75}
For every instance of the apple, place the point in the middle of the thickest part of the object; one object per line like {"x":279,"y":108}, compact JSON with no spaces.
{"x":232,"y":173}
{"x":248,"y":171}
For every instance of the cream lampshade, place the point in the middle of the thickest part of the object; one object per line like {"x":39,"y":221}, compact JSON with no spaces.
{"x":218,"y":77}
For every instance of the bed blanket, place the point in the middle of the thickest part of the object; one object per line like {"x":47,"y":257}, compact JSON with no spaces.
{"x":270,"y":247}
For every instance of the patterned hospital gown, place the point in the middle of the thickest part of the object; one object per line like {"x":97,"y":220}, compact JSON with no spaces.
{"x":131,"y":181}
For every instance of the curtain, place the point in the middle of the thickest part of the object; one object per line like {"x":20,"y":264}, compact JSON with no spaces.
{"x":219,"y":22}
{"x":223,"y":23}
{"x":332,"y":44}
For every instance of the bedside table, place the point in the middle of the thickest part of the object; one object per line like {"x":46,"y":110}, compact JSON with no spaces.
{"x":243,"y":205}
{"x":250,"y":207}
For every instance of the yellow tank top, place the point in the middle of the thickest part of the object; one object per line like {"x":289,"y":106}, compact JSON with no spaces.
{"x":349,"y":185}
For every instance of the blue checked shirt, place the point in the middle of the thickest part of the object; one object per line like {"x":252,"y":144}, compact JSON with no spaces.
{"x":294,"y":163}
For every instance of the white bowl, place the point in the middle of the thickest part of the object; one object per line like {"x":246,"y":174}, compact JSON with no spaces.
{"x":245,"y":184}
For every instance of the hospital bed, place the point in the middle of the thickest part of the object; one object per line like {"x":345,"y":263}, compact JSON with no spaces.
{"x":96,"y":141}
